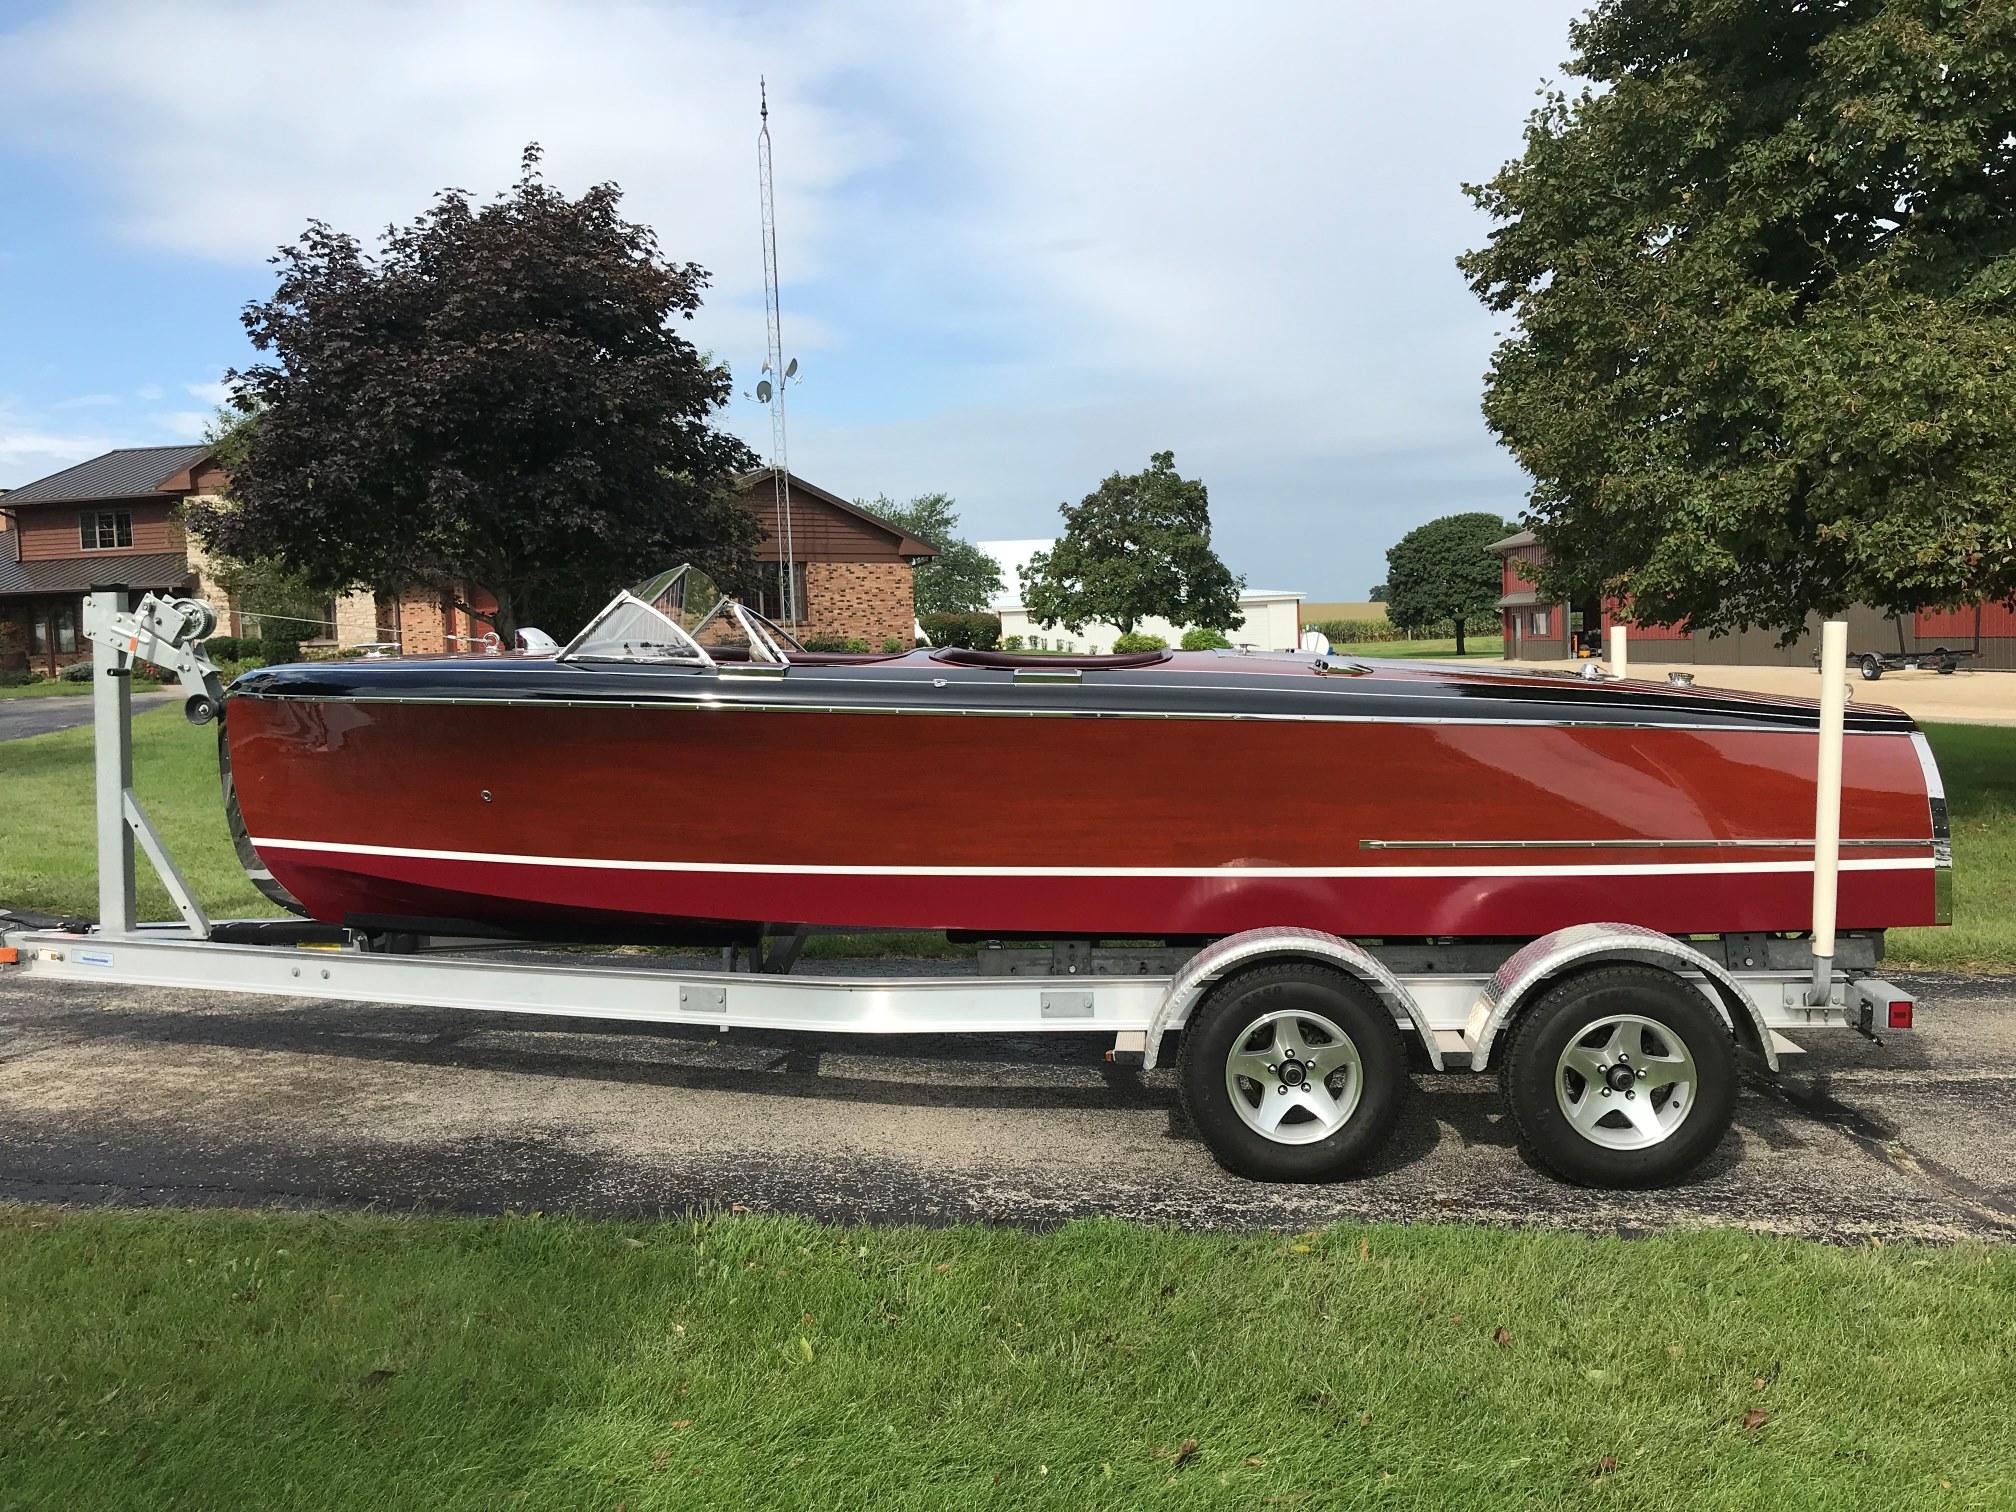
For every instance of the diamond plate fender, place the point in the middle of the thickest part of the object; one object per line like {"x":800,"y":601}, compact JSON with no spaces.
{"x":1258,"y":946}
{"x":1544,"y":959}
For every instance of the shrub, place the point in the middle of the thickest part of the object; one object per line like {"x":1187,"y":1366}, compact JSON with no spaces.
{"x":977,"y":631}
{"x":280,"y":649}
{"x":223,"y":648}
{"x":1011,"y":643}
{"x":857,"y":645}
{"x":76,"y":672}
{"x":892,"y":645}
{"x":824,"y":643}
{"x":1202,"y":639}
{"x":238,"y":667}
{"x":19,"y":679}
{"x":1134,"y":640}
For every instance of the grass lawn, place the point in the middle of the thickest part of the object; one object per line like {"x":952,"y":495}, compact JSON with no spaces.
{"x":61,"y":689}
{"x":172,"y":1359}
{"x":46,"y":839}
{"x":1478,"y":648}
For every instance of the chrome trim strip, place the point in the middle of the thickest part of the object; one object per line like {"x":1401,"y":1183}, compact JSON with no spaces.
{"x":705,"y":705}
{"x":1624,"y":844}
{"x":1942,"y":830}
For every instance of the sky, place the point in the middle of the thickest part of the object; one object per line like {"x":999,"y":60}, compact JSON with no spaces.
{"x":1023,"y":245}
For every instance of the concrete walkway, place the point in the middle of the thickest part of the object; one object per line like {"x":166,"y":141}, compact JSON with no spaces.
{"x":1960,"y":698}
{"x":22,"y":717}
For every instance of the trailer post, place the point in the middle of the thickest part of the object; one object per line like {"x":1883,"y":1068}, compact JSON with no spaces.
{"x":1620,"y":651}
{"x":112,"y":748}
{"x":1827,"y":803}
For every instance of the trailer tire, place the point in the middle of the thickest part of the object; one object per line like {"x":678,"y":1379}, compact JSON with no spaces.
{"x":1872,"y":668}
{"x":1948,"y":662}
{"x":1628,"y":1025}
{"x":1346,"y":1072}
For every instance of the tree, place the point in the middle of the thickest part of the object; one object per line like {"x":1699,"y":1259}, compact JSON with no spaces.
{"x":1136,"y":547}
{"x":1763,"y":267}
{"x":962,"y":577}
{"x":498,"y":399}
{"x":1443,"y":571}
{"x":1377,"y":595}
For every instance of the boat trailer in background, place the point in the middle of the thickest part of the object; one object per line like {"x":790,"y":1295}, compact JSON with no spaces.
{"x":1945,"y":660}
{"x":1617,"y":1045}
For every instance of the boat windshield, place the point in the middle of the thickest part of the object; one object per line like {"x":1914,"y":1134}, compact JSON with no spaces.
{"x":680,"y":616}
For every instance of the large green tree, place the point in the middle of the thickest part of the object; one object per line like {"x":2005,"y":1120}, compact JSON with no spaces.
{"x":500,"y":398}
{"x":1762,"y":264}
{"x":962,"y":577}
{"x":1444,"y":570}
{"x":1137,"y":547}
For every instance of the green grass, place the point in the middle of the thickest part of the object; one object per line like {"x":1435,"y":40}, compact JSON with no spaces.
{"x":60,"y":689}
{"x":46,"y":839}
{"x":203,"y":1359}
{"x":1477,"y":648}
{"x":1978,"y":766}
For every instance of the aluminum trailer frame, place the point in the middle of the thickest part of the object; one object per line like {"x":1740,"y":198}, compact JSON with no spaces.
{"x":1456,"y":1000}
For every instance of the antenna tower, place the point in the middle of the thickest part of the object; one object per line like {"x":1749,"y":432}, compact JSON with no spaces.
{"x":773,"y":366}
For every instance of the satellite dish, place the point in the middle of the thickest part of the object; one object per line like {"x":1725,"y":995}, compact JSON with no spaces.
{"x":763,"y":391}
{"x":791,"y":368}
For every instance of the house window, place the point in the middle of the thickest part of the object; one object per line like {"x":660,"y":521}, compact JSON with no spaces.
{"x":1537,"y":623}
{"x":105,"y":530}
{"x":769,"y":597}
{"x":53,"y":627}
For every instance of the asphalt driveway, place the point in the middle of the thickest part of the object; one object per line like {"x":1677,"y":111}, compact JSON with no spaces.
{"x":140,"y":1096}
{"x":21,"y":717}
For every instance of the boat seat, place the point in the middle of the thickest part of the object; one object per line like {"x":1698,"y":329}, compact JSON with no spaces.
{"x":959,"y":656}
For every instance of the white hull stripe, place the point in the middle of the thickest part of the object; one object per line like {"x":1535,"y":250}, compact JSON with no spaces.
{"x":596,"y":863}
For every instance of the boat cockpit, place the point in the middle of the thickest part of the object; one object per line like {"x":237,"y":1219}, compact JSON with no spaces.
{"x":682,"y":618}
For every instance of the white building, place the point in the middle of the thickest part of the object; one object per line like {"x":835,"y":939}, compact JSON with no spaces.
{"x":1272,"y":617}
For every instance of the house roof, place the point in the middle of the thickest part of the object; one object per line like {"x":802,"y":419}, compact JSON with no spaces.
{"x":1513,"y":542}
{"x":907,"y":545}
{"x":80,"y":574}
{"x":131,"y":472}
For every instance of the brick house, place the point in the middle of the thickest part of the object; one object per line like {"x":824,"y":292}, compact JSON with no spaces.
{"x":855,"y":574}
{"x":115,"y":518}
{"x":1537,"y":629}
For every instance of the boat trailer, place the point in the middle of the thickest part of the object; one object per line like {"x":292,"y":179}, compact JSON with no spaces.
{"x":1295,"y":1046}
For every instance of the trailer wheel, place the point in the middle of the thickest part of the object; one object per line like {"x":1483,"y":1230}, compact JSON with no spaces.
{"x":1948,"y":662}
{"x":1294,"y":1072}
{"x":1623,"y":1076}
{"x":1872,"y":668}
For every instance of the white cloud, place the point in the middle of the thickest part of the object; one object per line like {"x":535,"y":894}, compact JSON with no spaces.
{"x":86,"y":401}
{"x":28,"y":451}
{"x":184,"y":425}
{"x":212,"y":394}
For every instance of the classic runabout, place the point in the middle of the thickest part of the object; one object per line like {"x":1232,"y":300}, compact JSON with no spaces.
{"x":668,"y":769}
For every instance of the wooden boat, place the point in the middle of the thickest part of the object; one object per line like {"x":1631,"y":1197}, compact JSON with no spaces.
{"x":667,"y":771}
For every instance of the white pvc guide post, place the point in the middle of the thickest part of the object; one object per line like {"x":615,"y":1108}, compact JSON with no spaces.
{"x":112,"y":744}
{"x":1620,"y":651}
{"x":1827,"y":801}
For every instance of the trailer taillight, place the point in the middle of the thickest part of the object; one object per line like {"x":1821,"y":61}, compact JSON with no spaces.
{"x":1900,"y":1014}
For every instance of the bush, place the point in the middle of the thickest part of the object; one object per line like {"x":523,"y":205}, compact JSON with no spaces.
{"x":1202,"y":639}
{"x":19,"y":679}
{"x":891,"y":645}
{"x":280,"y":649}
{"x":1134,"y":640}
{"x":76,"y":672}
{"x":238,"y":667}
{"x":223,"y":648}
{"x":1011,"y":643}
{"x":857,"y":645}
{"x":824,"y":643}
{"x":977,"y":631}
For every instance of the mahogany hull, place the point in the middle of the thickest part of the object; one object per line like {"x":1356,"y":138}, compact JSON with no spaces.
{"x":534,"y":811}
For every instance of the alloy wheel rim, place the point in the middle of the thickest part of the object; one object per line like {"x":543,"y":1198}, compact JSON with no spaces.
{"x":1294,"y":1077}
{"x":1626,"y":1082}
